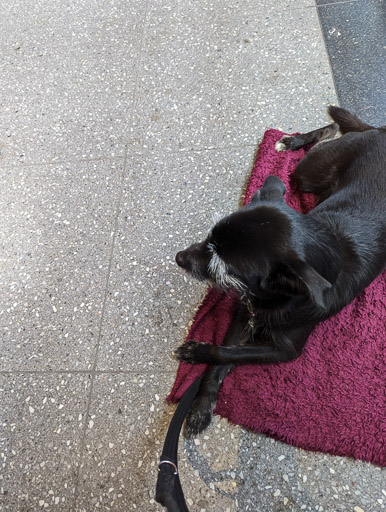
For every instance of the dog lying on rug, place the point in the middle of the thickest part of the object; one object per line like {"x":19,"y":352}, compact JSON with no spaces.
{"x":291,"y":270}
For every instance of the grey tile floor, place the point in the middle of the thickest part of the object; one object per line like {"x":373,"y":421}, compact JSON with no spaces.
{"x":124,"y":126}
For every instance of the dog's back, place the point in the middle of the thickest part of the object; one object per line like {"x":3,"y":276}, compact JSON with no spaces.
{"x":353,"y":206}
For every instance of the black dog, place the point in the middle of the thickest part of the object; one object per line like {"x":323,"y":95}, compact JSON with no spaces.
{"x":292,"y":270}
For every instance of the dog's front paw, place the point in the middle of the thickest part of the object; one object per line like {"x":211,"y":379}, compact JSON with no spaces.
{"x":198,"y":418}
{"x":192,"y":352}
{"x":283,"y":144}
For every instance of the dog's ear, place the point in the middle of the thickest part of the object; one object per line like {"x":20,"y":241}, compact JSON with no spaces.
{"x":299,"y":278}
{"x":315,"y":285}
{"x":272,"y":190}
{"x":256,"y":197}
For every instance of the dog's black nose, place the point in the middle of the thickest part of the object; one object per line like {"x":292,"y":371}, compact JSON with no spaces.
{"x":181,"y":259}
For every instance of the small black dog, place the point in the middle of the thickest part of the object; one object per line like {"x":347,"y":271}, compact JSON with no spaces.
{"x":292,"y":270}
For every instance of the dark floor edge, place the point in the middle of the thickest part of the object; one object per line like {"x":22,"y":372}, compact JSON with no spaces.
{"x":355,"y":39}
{"x":327,"y":52}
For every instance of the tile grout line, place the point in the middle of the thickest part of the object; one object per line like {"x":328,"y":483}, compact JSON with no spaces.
{"x":216,"y":148}
{"x":115,"y":227}
{"x":173,"y":151}
{"x":140,"y":58}
{"x":63,"y":162}
{"x":92,"y":372}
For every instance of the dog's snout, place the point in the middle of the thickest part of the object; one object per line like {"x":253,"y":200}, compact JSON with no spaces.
{"x":194,"y":260}
{"x":181,"y":259}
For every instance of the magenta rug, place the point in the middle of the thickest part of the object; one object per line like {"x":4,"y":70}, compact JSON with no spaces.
{"x":332,"y":398}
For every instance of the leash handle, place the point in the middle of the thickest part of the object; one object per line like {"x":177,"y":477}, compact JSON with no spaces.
{"x":168,"y":490}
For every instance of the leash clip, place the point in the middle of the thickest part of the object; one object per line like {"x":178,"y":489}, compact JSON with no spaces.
{"x":168,"y":462}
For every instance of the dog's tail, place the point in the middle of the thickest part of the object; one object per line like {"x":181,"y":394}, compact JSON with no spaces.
{"x":347,"y":122}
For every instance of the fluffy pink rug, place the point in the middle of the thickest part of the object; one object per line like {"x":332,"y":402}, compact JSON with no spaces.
{"x":332,"y":398}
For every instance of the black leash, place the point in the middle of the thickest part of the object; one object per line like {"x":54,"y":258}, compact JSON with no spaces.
{"x":169,"y":491}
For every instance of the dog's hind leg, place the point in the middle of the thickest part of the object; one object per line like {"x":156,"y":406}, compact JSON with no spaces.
{"x":295,"y":142}
{"x":200,"y":415}
{"x":320,"y":170}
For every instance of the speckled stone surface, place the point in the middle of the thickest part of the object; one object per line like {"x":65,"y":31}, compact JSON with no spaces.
{"x":146,"y":307}
{"x":268,"y":475}
{"x":68,"y":75}
{"x":42,"y":420}
{"x":216,"y":74}
{"x":55,"y":248}
{"x":119,"y":463}
{"x":124,"y":126}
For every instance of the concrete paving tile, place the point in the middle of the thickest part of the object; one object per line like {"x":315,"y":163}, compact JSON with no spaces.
{"x":168,"y":203}
{"x":68,"y":78}
{"x":147,"y":315}
{"x":41,"y":427}
{"x":215,"y":74}
{"x":170,"y":200}
{"x":55,"y":250}
{"x":128,"y":422}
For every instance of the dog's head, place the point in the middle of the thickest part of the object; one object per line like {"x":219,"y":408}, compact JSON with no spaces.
{"x":258,"y":250}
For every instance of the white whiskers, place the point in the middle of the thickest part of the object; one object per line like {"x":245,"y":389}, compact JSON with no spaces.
{"x":219,"y":271}
{"x":216,"y":217}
